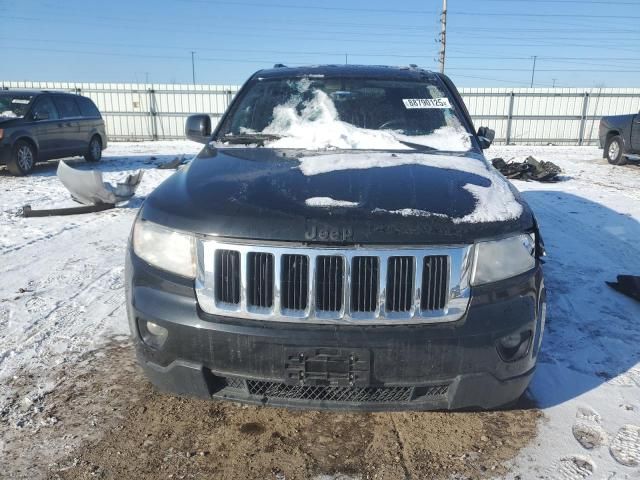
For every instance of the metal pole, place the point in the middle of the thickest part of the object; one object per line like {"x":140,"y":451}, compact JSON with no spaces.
{"x":512,"y":97}
{"x":443,"y":35}
{"x":583,"y":118}
{"x":346,"y":58}
{"x":533,"y":72}
{"x":193,"y":67}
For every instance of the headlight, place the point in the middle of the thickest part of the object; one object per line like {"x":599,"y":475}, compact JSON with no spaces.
{"x":500,"y":259}
{"x":164,"y":248}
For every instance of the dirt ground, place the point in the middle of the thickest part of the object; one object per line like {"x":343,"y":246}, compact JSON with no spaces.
{"x":103,"y":420}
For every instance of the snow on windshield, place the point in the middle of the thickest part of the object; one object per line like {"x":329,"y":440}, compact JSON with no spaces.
{"x":8,"y":114}
{"x":315,"y":124}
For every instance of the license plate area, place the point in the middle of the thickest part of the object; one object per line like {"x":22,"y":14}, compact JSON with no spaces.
{"x":339,"y":367}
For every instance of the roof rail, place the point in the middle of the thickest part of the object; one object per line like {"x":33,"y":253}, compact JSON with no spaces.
{"x":279,"y":65}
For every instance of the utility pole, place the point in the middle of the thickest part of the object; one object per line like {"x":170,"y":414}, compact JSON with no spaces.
{"x":533,"y":72}
{"x":443,"y":35}
{"x":193,"y":67}
{"x":554,"y":82}
{"x":346,"y":58}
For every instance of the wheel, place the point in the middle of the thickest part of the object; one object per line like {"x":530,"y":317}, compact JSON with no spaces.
{"x":614,"y":150}
{"x":94,"y":154}
{"x":23,"y":158}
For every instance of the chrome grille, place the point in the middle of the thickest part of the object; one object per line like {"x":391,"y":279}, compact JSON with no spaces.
{"x":294,"y":282}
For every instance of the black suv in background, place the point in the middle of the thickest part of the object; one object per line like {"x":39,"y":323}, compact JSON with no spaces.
{"x":40,"y":125}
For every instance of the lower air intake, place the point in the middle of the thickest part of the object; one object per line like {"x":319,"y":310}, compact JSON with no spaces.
{"x":343,"y":394}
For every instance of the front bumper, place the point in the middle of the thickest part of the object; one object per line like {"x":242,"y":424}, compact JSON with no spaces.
{"x":453,"y":365}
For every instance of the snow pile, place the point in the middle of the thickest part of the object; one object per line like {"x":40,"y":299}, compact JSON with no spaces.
{"x":328,"y":202}
{"x":318,"y":126}
{"x":333,"y":162}
{"x":495,"y":202}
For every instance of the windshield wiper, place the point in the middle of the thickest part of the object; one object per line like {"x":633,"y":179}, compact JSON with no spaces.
{"x":417,"y":146}
{"x":249,"y":138}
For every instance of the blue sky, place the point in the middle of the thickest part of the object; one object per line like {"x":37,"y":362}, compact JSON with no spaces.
{"x":490,"y":42}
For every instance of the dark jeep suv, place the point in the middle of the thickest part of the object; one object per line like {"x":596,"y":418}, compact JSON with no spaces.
{"x":340,"y":242}
{"x":38,"y":125}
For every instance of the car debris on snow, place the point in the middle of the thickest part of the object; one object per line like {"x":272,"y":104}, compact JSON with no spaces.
{"x":628,"y":285}
{"x":88,"y":187}
{"x":530,"y":169}
{"x":172,"y":164}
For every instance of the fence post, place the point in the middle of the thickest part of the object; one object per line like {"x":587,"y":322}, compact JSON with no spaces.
{"x":583,"y":119}
{"x":510,"y":118}
{"x":153,"y":114}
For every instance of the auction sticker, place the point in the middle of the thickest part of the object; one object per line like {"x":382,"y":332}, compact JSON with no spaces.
{"x":426,"y":103}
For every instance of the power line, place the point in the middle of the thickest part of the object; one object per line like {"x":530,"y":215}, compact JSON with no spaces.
{"x":543,"y":15}
{"x":313,"y":7}
{"x":581,"y":2}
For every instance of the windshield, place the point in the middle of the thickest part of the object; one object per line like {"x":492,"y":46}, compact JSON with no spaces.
{"x":346,"y":113}
{"x":14,"y":105}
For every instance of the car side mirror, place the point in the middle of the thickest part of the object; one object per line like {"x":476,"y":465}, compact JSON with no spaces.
{"x":486,"y":137}
{"x":41,"y":116}
{"x":198,"y":128}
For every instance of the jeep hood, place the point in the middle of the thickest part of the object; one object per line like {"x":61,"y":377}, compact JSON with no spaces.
{"x":403,"y":197}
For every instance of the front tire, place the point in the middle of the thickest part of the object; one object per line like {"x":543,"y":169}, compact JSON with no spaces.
{"x":614,"y":151}
{"x":23,"y":158}
{"x":94,"y":154}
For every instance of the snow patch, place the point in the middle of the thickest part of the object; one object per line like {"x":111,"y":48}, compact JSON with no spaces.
{"x":494,"y":203}
{"x":329,"y":202}
{"x":410,"y":212}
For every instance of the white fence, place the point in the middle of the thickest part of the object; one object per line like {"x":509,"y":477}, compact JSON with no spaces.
{"x":519,"y":116}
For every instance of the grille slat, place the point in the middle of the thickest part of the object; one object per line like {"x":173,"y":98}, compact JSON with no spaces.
{"x":228,"y":276}
{"x":364,"y":284}
{"x":400,"y":274}
{"x":435,"y":283}
{"x":329,"y":283}
{"x":260,"y":279}
{"x":294,"y":282}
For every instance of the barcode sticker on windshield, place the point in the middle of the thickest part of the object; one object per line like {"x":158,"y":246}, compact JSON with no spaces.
{"x":426,"y":103}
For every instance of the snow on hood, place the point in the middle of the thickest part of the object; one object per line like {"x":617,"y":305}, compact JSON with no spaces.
{"x":494,"y":203}
{"x":8,"y":114}
{"x":329,"y":202}
{"x":318,"y":126}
